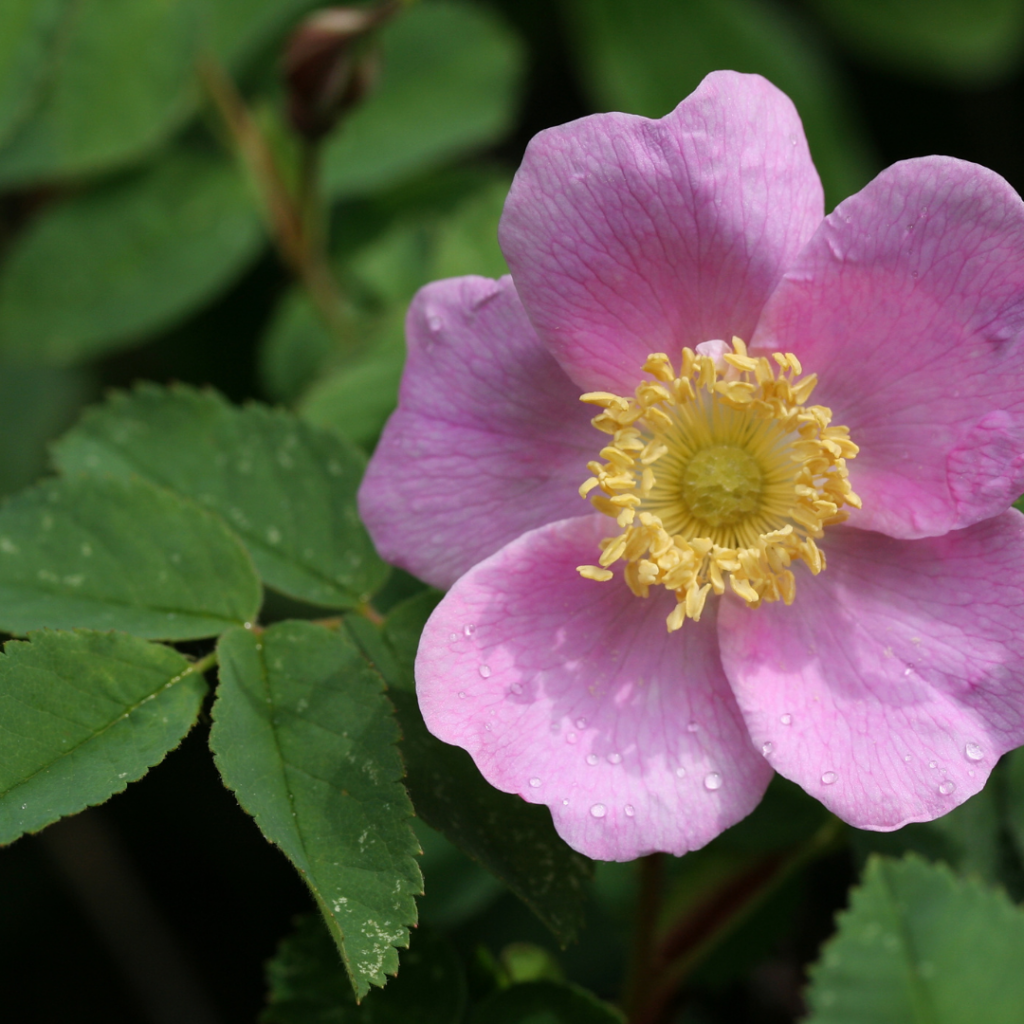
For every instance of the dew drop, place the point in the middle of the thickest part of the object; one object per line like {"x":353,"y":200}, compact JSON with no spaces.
{"x":680,"y":772}
{"x":570,"y":737}
{"x":767,"y":748}
{"x":932,"y":764}
{"x":453,"y":637}
{"x":485,"y":671}
{"x":693,"y":727}
{"x":434,"y":323}
{"x":614,"y":758}
{"x":581,"y":723}
{"x":713,"y":781}
{"x":515,"y":688}
{"x":786,"y":719}
{"x":908,"y":758}
{"x":630,"y":810}
{"x":469,"y":629}
{"x":535,"y":782}
{"x":947,"y":787}
{"x":973,"y":752}
{"x":591,"y":758}
{"x":462,"y":693}
{"x":565,"y":803}
{"x":828,"y":778}
{"x":598,"y":810}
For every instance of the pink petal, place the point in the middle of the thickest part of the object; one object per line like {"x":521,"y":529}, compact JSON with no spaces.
{"x":909,"y":305}
{"x":572,"y":693}
{"x":489,"y":439}
{"x":893,"y":683}
{"x":628,"y":236}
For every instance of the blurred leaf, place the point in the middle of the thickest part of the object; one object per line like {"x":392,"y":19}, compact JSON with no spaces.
{"x":295,"y":349}
{"x":449,"y":84}
{"x":36,"y":404}
{"x":644,"y":57}
{"x":82,"y":715}
{"x":308,"y":985}
{"x":918,"y":944}
{"x":106,"y":268}
{"x":403,"y":627}
{"x":124,"y":80}
{"x":1014,"y":783}
{"x":102,"y":553}
{"x":238,"y":29}
{"x":304,"y":736}
{"x":28,"y":30}
{"x":966,"y":41}
{"x":967,"y":838}
{"x":286,"y":489}
{"x":544,"y":1002}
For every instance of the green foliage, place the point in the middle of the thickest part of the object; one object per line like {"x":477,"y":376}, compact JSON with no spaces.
{"x":103,"y":553}
{"x":308,"y":986}
{"x":544,"y":1002}
{"x":970,"y":41}
{"x":123,"y":79}
{"x":644,"y":57}
{"x":286,"y":489}
{"x":82,"y":715}
{"x":448,"y":85}
{"x":917,"y":944}
{"x":109,"y":266}
{"x":27,"y":31}
{"x":304,"y":736}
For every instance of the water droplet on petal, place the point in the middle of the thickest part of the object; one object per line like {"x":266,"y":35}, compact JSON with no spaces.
{"x":973,"y":752}
{"x":713,"y":781}
{"x":534,"y":782}
{"x":598,"y":810}
{"x":469,"y":629}
{"x":570,"y":737}
{"x":485,"y":671}
{"x":908,"y":758}
{"x":630,"y":810}
{"x":933,"y":764}
{"x":516,"y":688}
{"x":786,"y":719}
{"x":947,"y":787}
{"x":615,"y":758}
{"x":462,"y":693}
{"x":680,"y":772}
{"x":565,"y":803}
{"x":453,"y":637}
{"x":591,"y":758}
{"x":581,"y":723}
{"x":693,"y":727}
{"x":767,"y":748}
{"x":828,"y":778}
{"x":434,"y":323}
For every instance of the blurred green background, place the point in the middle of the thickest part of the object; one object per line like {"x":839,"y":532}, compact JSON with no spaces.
{"x":141,"y":239}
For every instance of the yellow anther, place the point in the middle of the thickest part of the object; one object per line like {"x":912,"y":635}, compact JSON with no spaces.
{"x":719,"y":479}
{"x":592,"y":572}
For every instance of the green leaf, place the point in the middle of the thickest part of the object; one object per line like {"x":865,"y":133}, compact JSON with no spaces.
{"x":402,"y":630}
{"x":308,"y":985}
{"x":102,"y":553}
{"x":82,"y":715}
{"x":544,"y":1002}
{"x":286,"y":489}
{"x":238,"y":29}
{"x":645,"y":56}
{"x":968,"y":42}
{"x":28,"y":30}
{"x":1014,"y":782}
{"x":449,"y":83}
{"x":305,"y":737}
{"x":124,"y":80}
{"x":105,"y":268}
{"x":918,"y":944}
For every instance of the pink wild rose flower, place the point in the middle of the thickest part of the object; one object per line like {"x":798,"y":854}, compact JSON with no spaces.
{"x":642,"y":661}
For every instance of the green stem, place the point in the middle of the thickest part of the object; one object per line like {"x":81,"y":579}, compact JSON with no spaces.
{"x":641,"y":971}
{"x":202,"y":665}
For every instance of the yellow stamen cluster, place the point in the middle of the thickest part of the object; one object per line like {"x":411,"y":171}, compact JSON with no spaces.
{"x":720,"y":475}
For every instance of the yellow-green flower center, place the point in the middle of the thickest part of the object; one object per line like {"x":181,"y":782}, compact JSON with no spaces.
{"x":722,"y":474}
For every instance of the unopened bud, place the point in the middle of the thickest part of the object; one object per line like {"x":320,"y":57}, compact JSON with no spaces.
{"x":326,"y":70}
